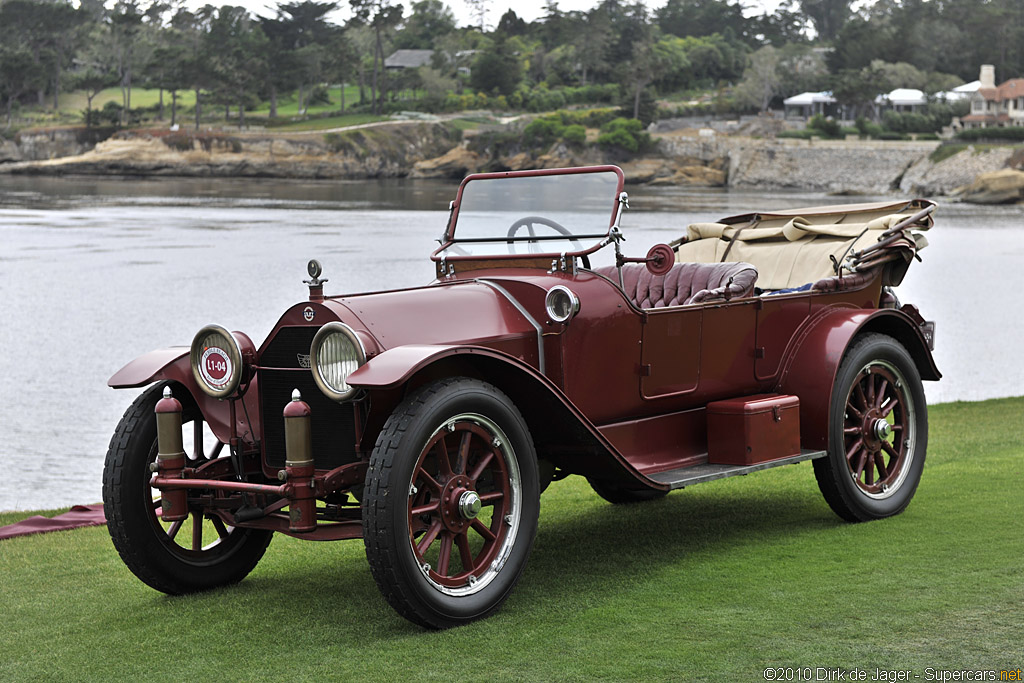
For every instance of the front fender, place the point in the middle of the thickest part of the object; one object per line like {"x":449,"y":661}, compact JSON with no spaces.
{"x":172,"y":365}
{"x":810,"y":369}
{"x":561,"y":432}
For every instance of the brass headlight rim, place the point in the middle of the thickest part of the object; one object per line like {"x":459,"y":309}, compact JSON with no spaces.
{"x":234,"y":350}
{"x":330,"y":328}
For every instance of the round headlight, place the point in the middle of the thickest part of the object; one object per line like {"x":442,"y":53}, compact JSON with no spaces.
{"x":216,"y":359}
{"x":561,"y":304}
{"x":336,"y":353}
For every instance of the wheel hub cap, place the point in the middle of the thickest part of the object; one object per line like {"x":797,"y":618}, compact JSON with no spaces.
{"x":882,"y":429}
{"x":469,"y":504}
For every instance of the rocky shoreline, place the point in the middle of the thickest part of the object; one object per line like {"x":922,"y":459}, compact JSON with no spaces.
{"x":436,"y":150}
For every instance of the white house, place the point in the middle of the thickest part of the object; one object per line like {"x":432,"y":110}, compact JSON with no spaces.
{"x":902,"y":100}
{"x":807,"y":104}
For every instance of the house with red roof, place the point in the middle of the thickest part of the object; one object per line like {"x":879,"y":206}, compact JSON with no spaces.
{"x":996,"y":106}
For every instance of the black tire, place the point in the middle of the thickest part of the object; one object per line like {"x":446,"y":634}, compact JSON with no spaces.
{"x":412,"y":468}
{"x":614,"y":493}
{"x":146,"y":544}
{"x":872,"y":470}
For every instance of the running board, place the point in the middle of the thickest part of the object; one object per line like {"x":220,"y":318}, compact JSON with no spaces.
{"x":698,"y":474}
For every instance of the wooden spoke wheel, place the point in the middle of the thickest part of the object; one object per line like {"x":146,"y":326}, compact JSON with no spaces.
{"x":195,"y":554}
{"x":451,"y":503}
{"x":878,"y":432}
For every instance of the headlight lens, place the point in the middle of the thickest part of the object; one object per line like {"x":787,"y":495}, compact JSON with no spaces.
{"x":561,"y":304}
{"x":216,"y":359}
{"x":336,"y":353}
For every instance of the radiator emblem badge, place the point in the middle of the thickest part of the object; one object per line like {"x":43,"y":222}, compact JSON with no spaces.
{"x":308,"y":313}
{"x":303,"y":359}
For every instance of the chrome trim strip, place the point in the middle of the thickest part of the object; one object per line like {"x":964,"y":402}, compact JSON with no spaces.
{"x":519,"y":307}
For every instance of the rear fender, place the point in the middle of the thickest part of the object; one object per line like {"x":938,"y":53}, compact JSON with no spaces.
{"x":561,"y":433}
{"x":172,"y":365}
{"x":810,"y":369}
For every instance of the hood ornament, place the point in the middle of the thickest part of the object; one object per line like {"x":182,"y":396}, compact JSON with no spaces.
{"x":316,"y":285}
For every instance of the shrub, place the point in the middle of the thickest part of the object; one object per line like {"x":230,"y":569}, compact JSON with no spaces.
{"x":804,"y":134}
{"x":575,"y":134}
{"x":1014,"y":133}
{"x":828,"y":128}
{"x":542,"y":131}
{"x":625,"y":134}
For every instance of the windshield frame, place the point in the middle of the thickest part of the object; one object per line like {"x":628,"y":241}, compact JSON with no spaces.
{"x":449,"y":239}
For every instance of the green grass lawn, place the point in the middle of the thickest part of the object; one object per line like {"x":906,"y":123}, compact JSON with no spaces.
{"x":716,"y":582}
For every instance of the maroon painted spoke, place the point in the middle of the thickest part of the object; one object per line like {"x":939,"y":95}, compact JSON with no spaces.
{"x":860,"y":463}
{"x":463,"y":458}
{"x":443,"y":461}
{"x":491,"y":498}
{"x":483,"y":530}
{"x":881,"y":393}
{"x":859,"y":389}
{"x":893,"y":402}
{"x":853,"y":409}
{"x":897,"y":428}
{"x":871,"y":392}
{"x":173,"y":531}
{"x":433,"y":506}
{"x":444,"y":555}
{"x":887,"y":447}
{"x":481,"y":466}
{"x":851,"y":430}
{"x":428,"y":537}
{"x":880,"y":464}
{"x":465,"y":553}
{"x":855,"y":448}
{"x":869,"y":471}
{"x":423,"y":476}
{"x":197,"y":531}
{"x":222,"y":531}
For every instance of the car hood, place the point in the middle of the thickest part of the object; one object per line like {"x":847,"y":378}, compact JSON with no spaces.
{"x":460,"y":312}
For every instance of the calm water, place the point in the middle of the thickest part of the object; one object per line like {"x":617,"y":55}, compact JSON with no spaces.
{"x":96,"y":272}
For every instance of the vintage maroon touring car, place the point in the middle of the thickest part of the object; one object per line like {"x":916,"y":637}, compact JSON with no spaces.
{"x":428,"y":421}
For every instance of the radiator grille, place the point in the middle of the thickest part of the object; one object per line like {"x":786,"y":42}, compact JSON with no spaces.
{"x":333,"y":424}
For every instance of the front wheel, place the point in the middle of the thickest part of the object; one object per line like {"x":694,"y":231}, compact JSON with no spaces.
{"x":174,"y":557}
{"x":878,"y":432}
{"x":451,"y":503}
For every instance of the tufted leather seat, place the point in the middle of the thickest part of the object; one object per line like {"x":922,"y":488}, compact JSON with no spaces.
{"x":686,"y":283}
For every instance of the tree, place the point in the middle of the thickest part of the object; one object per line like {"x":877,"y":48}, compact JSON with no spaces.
{"x":126,"y":23}
{"x":478,"y":9}
{"x":496,"y":70}
{"x":701,"y":17}
{"x":828,"y":16}
{"x":19,"y":74}
{"x":430,"y":19}
{"x":379,"y":15}
{"x":762,"y":80}
{"x":236,"y":47}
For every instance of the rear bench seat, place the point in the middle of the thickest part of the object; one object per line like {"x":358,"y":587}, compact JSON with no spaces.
{"x":686,"y":283}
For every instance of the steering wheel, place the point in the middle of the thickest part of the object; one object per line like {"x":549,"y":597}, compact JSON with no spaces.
{"x":529,"y":221}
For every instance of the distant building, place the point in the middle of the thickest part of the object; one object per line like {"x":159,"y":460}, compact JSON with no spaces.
{"x":408,"y":59}
{"x":996,"y":106}
{"x":807,"y":104}
{"x":959,"y":93}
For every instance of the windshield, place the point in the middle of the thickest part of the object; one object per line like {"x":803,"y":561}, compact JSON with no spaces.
{"x":539,"y":213}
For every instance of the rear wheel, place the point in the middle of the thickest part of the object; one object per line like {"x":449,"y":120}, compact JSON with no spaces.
{"x":451,"y":503}
{"x":878,"y":432}
{"x":174,"y":557}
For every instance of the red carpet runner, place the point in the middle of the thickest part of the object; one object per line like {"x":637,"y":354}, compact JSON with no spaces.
{"x":78,"y":516}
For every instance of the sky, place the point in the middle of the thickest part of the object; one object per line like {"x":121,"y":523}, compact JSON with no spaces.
{"x":530,"y":10}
